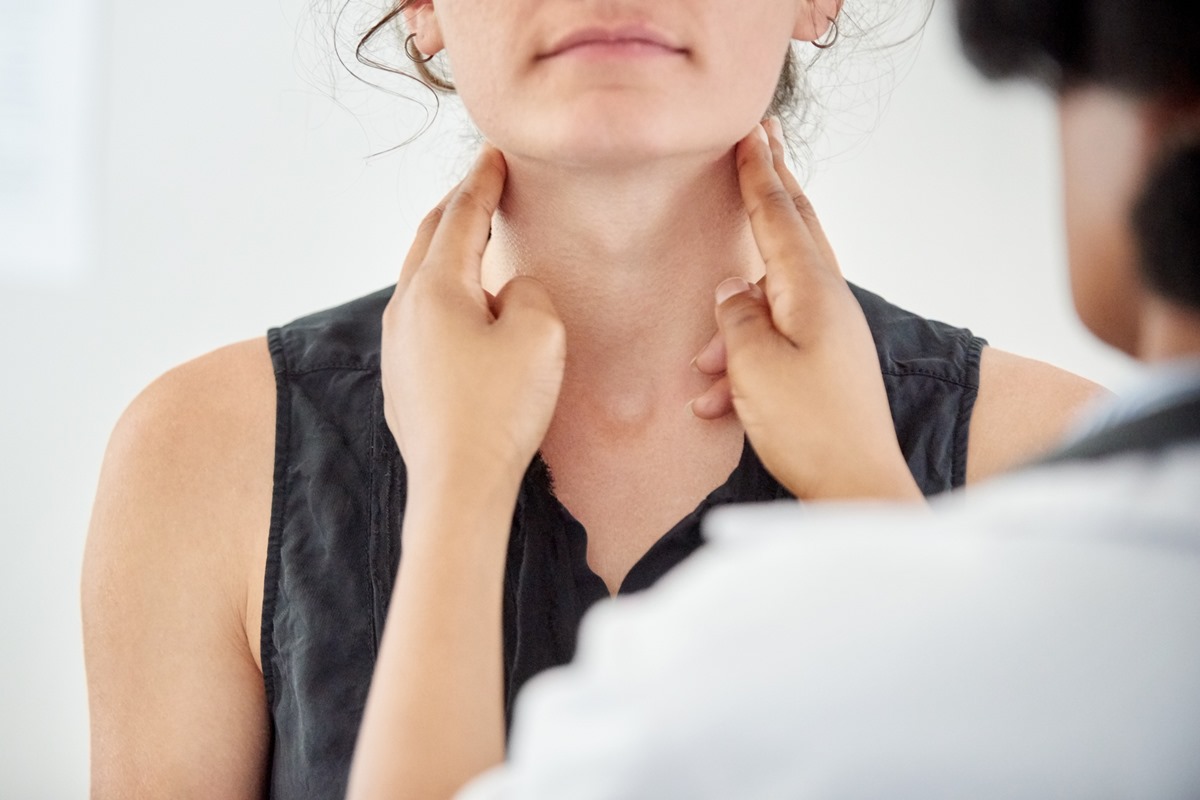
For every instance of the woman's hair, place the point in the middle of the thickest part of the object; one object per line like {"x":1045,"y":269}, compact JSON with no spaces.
{"x":880,"y":28}
{"x":1147,"y":48}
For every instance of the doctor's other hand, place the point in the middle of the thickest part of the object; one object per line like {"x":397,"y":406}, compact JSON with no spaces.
{"x":801,"y":369}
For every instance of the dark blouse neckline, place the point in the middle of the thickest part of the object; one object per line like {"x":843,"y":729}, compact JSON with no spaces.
{"x":749,"y":481}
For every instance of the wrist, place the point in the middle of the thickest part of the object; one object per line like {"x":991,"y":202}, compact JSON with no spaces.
{"x":886,"y":480}
{"x":456,"y":471}
{"x":884,"y":488}
{"x":459,"y":509}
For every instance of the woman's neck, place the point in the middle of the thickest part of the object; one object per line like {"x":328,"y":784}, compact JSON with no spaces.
{"x":631,"y":261}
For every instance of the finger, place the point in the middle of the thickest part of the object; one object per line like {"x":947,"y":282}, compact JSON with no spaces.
{"x":745,"y":322}
{"x":713,"y":357}
{"x":799,"y":198}
{"x":420,"y":245}
{"x":456,"y":250}
{"x":711,"y":360}
{"x":716,"y":402}
{"x":524,"y":301}
{"x":783,"y":237}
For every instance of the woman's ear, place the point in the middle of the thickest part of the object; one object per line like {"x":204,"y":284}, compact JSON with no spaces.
{"x":420,"y":18}
{"x":814,"y":18}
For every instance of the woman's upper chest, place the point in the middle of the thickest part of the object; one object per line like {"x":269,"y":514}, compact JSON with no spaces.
{"x":628,"y":489}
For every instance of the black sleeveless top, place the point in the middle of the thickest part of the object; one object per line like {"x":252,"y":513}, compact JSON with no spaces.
{"x":338,"y":500}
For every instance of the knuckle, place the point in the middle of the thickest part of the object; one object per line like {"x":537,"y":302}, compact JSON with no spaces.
{"x":391,"y":313}
{"x":742,"y":315}
{"x":431,"y":221}
{"x":775,"y":196}
{"x":802,"y":204}
{"x":797,"y":326}
{"x":745,"y":158}
{"x":746,"y":374}
{"x":417,"y":286}
{"x":468,"y":199}
{"x":495,"y":170}
{"x":420,"y":292}
{"x":773,"y":200}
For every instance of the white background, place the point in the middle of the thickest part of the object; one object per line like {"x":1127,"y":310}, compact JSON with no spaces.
{"x":230,"y":192}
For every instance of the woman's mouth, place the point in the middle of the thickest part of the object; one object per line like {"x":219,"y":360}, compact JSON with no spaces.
{"x":628,"y":41}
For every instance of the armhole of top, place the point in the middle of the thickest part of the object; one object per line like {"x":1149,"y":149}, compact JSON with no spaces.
{"x":966,"y":406}
{"x":278,"y":503}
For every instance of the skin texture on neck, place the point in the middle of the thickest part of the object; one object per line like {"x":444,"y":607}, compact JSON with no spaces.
{"x":631,"y":258}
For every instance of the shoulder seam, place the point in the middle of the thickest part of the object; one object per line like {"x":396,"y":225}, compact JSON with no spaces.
{"x":966,"y":408}
{"x":919,"y":373}
{"x":331,"y":367}
{"x":279,"y":493}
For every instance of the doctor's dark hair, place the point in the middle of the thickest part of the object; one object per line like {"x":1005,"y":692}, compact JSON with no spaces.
{"x":1166,"y":220}
{"x":1148,"y":49}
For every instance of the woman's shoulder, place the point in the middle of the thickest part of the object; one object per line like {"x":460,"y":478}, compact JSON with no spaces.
{"x":199,"y":445}
{"x":188,"y":469}
{"x":1010,"y":408}
{"x":346,"y":336}
{"x":912,"y":345}
{"x":199,"y":409}
{"x":169,"y":593}
{"x":207,"y":411}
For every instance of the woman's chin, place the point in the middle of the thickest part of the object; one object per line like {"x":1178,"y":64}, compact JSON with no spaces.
{"x":612,"y":130}
{"x":611,"y":147}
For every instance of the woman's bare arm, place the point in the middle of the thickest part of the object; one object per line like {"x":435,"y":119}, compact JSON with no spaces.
{"x":172,"y":585}
{"x":1024,"y":409}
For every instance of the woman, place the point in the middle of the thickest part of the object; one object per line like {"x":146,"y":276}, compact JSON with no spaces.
{"x":568,"y":331}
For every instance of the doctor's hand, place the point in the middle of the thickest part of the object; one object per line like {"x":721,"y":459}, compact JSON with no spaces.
{"x":470,"y":381}
{"x":801,"y":369}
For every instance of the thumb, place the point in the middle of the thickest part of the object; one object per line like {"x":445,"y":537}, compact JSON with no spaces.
{"x":744,"y":318}
{"x":525,"y":304}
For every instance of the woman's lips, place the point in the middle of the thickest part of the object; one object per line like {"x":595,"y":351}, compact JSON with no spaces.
{"x":630,"y":41}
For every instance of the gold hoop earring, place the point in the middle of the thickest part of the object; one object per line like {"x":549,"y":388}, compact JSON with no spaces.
{"x":415,"y":55}
{"x":832,"y":40}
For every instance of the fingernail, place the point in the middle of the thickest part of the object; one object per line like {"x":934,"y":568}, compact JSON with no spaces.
{"x":775,"y":129}
{"x":731,"y":287}
{"x":691,"y":410}
{"x":761,"y":133}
